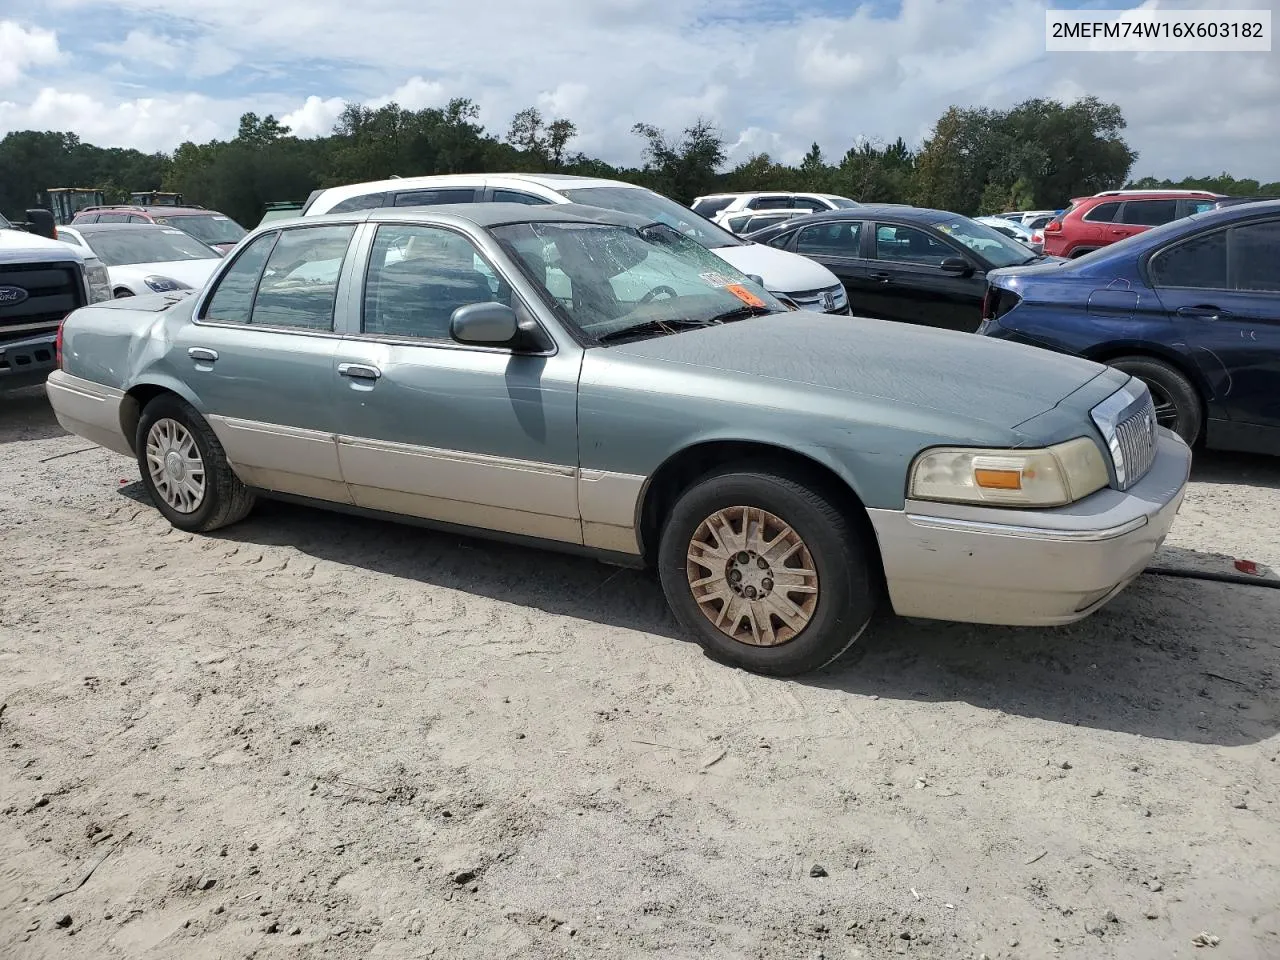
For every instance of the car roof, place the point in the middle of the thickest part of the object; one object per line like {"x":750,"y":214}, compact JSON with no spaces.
{"x":481,"y":214}
{"x":895,"y":210}
{"x":552,"y":181}
{"x":86,"y":228}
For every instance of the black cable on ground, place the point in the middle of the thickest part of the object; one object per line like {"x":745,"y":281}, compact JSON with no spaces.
{"x":1218,"y":577}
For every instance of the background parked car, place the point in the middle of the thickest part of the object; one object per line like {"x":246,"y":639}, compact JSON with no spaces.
{"x":1191,"y":307}
{"x":799,"y":279}
{"x":1029,"y":217}
{"x":208,"y":226}
{"x":1014,"y":231}
{"x":144,"y":258}
{"x":280,"y":210}
{"x":745,"y":222}
{"x":717,"y":203}
{"x":1094,"y":222}
{"x":904,"y":263}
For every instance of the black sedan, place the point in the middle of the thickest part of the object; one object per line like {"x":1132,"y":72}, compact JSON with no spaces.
{"x":904,"y":263}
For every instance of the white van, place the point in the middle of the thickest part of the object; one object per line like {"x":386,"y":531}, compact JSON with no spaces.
{"x":805,"y":281}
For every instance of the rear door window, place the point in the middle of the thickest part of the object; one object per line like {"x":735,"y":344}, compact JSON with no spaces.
{"x":770,"y":203}
{"x":709,"y":208}
{"x":300,"y":282}
{"x":842,"y":239}
{"x":366,"y":201}
{"x":515,"y":196}
{"x":1199,"y":262}
{"x":1102,"y":213}
{"x":431,"y":198}
{"x":1149,"y":213}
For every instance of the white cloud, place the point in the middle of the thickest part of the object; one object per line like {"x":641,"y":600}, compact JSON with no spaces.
{"x":21,"y":48}
{"x":802,"y":75}
{"x":315,"y":118}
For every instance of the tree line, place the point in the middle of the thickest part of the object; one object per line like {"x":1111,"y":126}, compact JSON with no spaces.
{"x":1038,"y":154}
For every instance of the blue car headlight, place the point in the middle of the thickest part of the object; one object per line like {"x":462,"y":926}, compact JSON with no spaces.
{"x":164,"y":284}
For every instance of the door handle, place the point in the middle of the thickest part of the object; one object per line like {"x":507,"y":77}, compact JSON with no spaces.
{"x":359,"y":371}
{"x":1203,"y":311}
{"x":1117,"y":233}
{"x":882,"y":276}
{"x":203,"y":354}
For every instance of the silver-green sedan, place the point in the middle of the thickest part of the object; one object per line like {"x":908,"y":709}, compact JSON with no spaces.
{"x":566,"y":377}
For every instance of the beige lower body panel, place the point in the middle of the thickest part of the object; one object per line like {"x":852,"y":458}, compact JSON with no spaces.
{"x":608,"y":503}
{"x":283,"y":459}
{"x":88,"y":410}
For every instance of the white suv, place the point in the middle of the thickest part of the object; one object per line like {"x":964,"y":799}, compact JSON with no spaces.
{"x":807,"y":282}
{"x":723,"y":204}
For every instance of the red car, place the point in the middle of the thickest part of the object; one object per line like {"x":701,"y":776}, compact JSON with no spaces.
{"x":1098,"y":221}
{"x":208,"y":226}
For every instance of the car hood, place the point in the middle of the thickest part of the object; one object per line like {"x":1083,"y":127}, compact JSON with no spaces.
{"x":18,"y":245}
{"x":193,"y":273}
{"x":976,"y":378}
{"x":781,"y":271}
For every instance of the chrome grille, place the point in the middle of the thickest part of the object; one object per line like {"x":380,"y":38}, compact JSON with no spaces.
{"x":825,"y":300}
{"x":1137,"y":438}
{"x":1127,"y":421}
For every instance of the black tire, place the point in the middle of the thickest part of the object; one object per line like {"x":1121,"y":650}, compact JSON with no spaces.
{"x":1177,"y":401}
{"x":225,"y":499}
{"x":846,"y":597}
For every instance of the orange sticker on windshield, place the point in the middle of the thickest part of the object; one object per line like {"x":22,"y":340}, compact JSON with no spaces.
{"x":745,"y":295}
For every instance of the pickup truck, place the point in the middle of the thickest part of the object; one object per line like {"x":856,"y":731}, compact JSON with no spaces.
{"x":41,"y":281}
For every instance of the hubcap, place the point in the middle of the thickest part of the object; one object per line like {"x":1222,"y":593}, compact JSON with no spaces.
{"x":752,"y":576}
{"x":175,"y":465}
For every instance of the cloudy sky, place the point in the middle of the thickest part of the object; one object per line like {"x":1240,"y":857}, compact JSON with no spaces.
{"x":775,"y":75}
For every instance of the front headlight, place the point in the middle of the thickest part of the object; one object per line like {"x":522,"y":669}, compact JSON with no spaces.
{"x":98,"y":280}
{"x":1048,"y":477}
{"x":164,"y":284}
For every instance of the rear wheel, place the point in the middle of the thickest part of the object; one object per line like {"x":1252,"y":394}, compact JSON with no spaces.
{"x":1177,"y":403}
{"x":765,"y":571}
{"x":185,"y":469}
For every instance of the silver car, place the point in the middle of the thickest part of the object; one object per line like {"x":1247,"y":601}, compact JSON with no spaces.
{"x":561,"y":377}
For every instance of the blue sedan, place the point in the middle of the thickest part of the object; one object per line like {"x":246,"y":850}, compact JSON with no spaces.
{"x":1192,"y":308}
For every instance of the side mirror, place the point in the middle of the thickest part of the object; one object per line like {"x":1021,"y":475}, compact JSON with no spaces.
{"x":40,"y":222}
{"x":756,"y":279}
{"x":484,"y":324}
{"x":956,"y":265}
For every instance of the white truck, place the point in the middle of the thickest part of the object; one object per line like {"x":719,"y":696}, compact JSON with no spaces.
{"x":41,"y":281}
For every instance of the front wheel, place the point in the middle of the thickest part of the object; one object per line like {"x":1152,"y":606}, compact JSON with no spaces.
{"x":185,"y":469}
{"x":765,"y":572}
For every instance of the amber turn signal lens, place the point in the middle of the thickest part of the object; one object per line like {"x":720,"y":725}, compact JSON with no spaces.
{"x":998,"y":479}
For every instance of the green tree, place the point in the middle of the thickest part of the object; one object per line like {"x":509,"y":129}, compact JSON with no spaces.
{"x":684,"y":168}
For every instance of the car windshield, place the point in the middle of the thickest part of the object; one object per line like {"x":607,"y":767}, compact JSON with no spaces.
{"x":654,"y":206}
{"x":118,"y":248}
{"x":209,"y":227}
{"x":612,"y":283}
{"x":991,"y":245}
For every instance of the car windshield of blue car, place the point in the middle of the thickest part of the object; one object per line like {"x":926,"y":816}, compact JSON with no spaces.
{"x":655,"y":207}
{"x":609,"y":281}
{"x":997,"y":249}
{"x":118,"y":248}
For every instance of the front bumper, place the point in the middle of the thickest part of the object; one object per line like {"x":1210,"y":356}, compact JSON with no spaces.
{"x":1029,"y":567}
{"x":26,"y":362}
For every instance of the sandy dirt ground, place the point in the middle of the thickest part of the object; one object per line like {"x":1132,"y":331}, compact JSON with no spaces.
{"x":315,"y":736}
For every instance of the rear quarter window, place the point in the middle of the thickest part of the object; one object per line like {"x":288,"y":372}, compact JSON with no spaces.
{"x":366,"y":201}
{"x":1102,"y":213}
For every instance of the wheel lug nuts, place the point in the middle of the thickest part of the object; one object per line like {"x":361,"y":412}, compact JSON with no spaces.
{"x":735,"y":576}
{"x":750,"y":592}
{"x":744,"y":557}
{"x":766,"y":584}
{"x":762,"y":563}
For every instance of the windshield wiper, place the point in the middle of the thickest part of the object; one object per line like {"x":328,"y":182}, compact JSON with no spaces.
{"x":652,"y":326}
{"x":740,"y":313}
